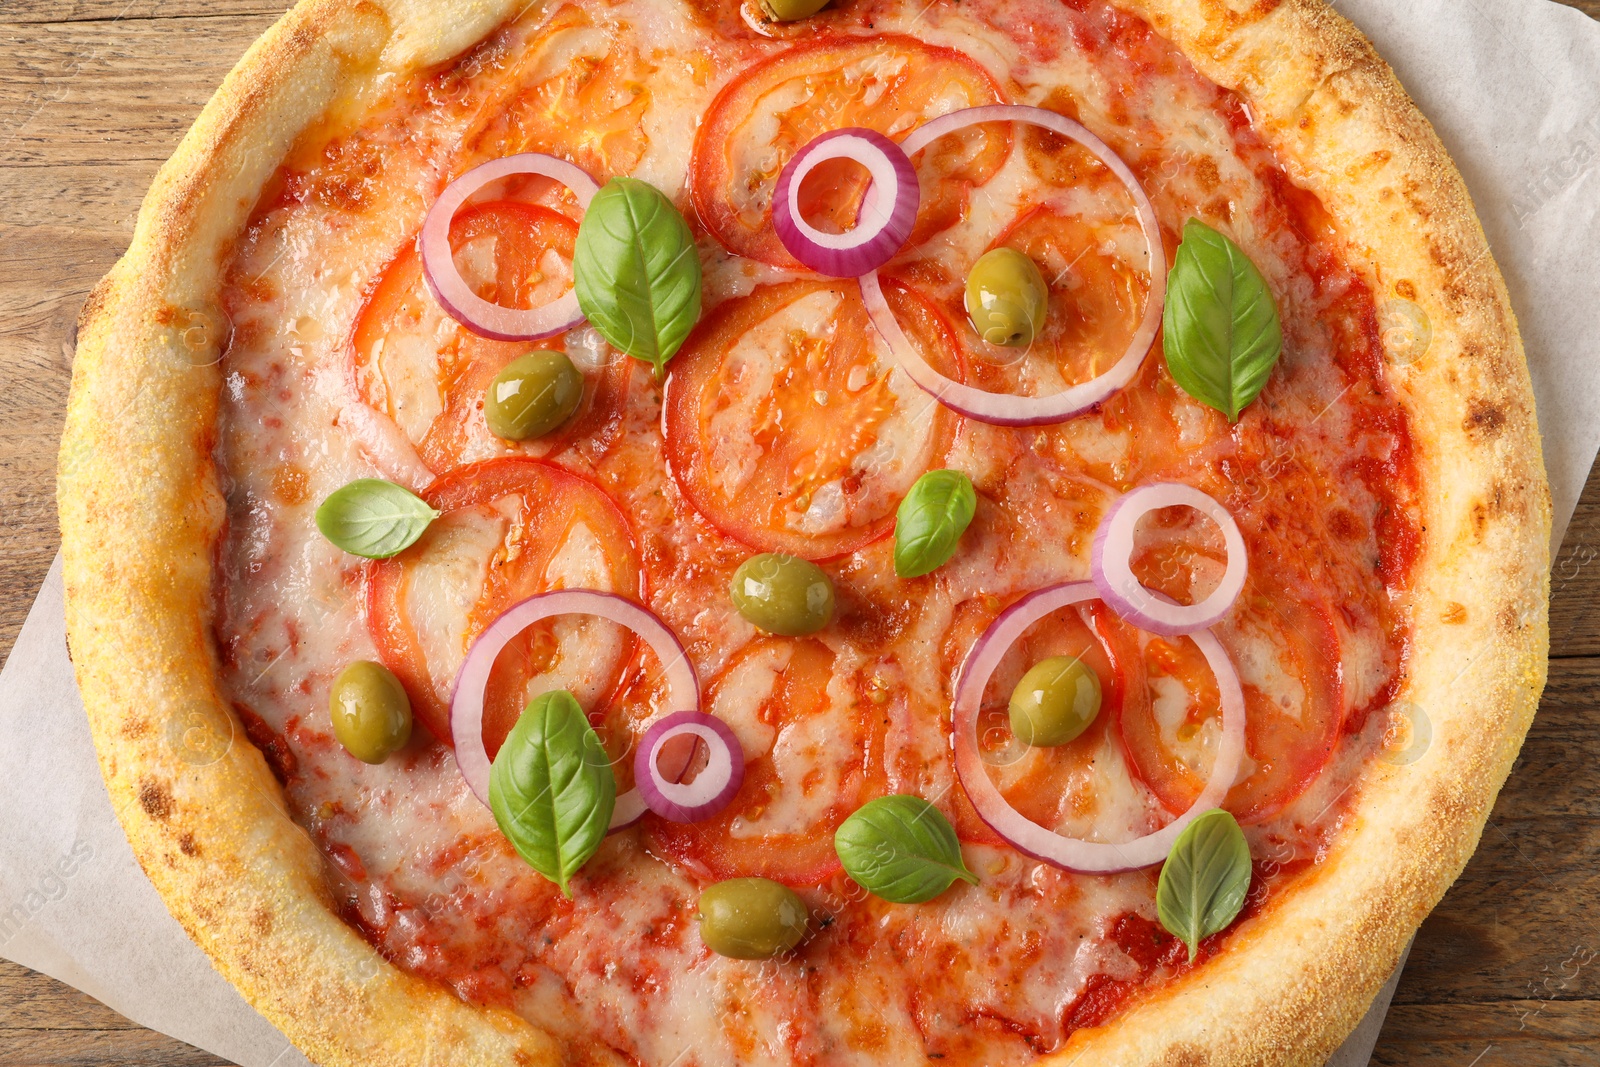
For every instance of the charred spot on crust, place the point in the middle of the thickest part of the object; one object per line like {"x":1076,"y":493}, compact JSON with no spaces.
{"x":156,"y":800}
{"x":261,"y":921}
{"x":188,"y":846}
{"x":1405,"y":289}
{"x":1484,"y":418}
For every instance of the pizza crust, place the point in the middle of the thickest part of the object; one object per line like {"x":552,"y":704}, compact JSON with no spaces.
{"x":141,"y":514}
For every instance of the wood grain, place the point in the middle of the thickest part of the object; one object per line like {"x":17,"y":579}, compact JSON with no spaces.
{"x":94,"y":94}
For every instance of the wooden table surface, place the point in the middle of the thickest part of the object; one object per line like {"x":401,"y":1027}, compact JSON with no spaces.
{"x":94,"y":95}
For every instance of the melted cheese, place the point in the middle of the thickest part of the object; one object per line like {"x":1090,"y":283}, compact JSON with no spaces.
{"x":993,"y":973}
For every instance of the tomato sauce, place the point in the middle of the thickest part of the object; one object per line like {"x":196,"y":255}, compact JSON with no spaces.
{"x":784,"y":424}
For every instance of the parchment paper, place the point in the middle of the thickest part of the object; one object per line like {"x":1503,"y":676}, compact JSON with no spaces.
{"x":1513,"y":87}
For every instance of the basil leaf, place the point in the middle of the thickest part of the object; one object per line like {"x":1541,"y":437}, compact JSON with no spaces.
{"x":636,"y":271}
{"x":1204,"y":880}
{"x":1220,"y":328}
{"x":902,"y":849}
{"x":931,"y":520}
{"x":551,"y":787}
{"x":374,"y":518}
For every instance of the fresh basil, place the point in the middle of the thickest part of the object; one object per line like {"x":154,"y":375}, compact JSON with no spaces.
{"x":902,"y":849}
{"x":1220,"y":328}
{"x":551,"y":787}
{"x":931,"y":520}
{"x":374,"y":518}
{"x":1205,"y":878}
{"x":636,"y":271}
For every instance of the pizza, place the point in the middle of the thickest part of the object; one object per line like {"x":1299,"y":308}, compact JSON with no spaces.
{"x":687,"y":532}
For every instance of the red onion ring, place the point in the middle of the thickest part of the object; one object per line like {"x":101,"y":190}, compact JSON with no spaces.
{"x":1112,"y":552}
{"x":1006,"y":409}
{"x":711,"y":789}
{"x":877,"y":234}
{"x":451,"y":289}
{"x":466,"y":698}
{"x":1068,"y":853}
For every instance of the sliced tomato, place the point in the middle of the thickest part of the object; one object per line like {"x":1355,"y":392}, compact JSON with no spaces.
{"x":812,"y":756}
{"x":1284,"y":646}
{"x":790,"y":428}
{"x":1096,"y":303}
{"x":889,"y":83}
{"x":1065,"y":786}
{"x":575,"y":90}
{"x":428,"y":373}
{"x":511,"y":528}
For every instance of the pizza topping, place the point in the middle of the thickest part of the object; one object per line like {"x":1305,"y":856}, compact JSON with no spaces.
{"x":1006,"y":298}
{"x":455,"y":294}
{"x":370,"y":710}
{"x":710,"y":789}
{"x":788,"y":425}
{"x":373,"y":518}
{"x":533,"y":396}
{"x":792,"y":10}
{"x":888,"y":83}
{"x":751,"y":918}
{"x":1222,"y":333}
{"x":1056,"y":701}
{"x":1204,"y":880}
{"x":510,"y":528}
{"x":930,"y":520}
{"x":636,"y":271}
{"x":551,"y":787}
{"x":467,"y":702}
{"x":1012,"y":410}
{"x":1112,"y":555}
{"x":887,"y":212}
{"x":901,"y":848}
{"x":1027,"y":836}
{"x":782,"y":594}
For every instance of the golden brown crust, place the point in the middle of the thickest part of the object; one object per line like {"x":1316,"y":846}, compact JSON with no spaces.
{"x":141,"y":512}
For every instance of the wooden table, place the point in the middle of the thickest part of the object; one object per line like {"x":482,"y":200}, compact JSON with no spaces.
{"x":94,"y":95}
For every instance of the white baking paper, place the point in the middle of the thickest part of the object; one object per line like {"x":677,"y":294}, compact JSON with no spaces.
{"x":1513,"y":87}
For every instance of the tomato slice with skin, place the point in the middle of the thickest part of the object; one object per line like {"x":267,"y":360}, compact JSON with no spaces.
{"x":576,"y":90}
{"x":1282,"y":641}
{"x":812,"y":753}
{"x":428,"y":373}
{"x":1064,"y":786}
{"x":891,"y":84}
{"x":510,"y":528}
{"x":789,"y":426}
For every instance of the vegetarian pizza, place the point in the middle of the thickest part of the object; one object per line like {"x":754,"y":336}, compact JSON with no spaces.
{"x":693,"y":533}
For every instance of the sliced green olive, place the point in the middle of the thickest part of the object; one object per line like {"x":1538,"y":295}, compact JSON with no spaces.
{"x":534,"y":394}
{"x":1055,"y":702}
{"x":1006,"y":298}
{"x":782,"y":594}
{"x":751,"y":918}
{"x":791,"y":10}
{"x":371,"y":713}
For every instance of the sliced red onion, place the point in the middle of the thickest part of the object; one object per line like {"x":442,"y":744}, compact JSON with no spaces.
{"x":466,"y":699}
{"x":1007,"y":409}
{"x":451,"y":289}
{"x":711,"y":789}
{"x":1027,"y":836}
{"x":878,"y":233}
{"x":1111,"y":557}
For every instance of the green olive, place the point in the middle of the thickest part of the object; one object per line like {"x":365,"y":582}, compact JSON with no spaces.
{"x":751,"y":918}
{"x":782,"y":594}
{"x":532,"y":396}
{"x":371,"y":713}
{"x":1055,"y":702}
{"x":1006,"y":298}
{"x":791,"y":10}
